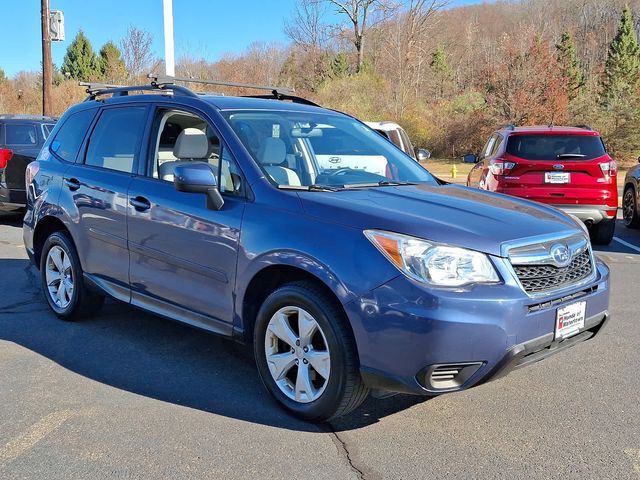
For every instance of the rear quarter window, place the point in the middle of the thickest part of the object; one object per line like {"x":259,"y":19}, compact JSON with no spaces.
{"x":556,"y":147}
{"x":21,"y":134}
{"x":68,"y":140}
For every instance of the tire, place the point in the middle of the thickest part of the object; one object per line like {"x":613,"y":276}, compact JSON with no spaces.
{"x":602,"y":232}
{"x":60,"y":265}
{"x":630,"y":208}
{"x":318,"y":398}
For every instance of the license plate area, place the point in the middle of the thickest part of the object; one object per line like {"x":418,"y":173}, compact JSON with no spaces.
{"x":570,"y":319}
{"x":557,"y":177}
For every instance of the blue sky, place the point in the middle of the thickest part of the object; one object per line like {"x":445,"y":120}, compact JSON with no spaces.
{"x":207,"y":28}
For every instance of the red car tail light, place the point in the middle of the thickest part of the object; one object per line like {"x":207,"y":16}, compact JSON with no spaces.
{"x":609,"y":168}
{"x":5,"y":156}
{"x":30,"y":173}
{"x":499,"y":167}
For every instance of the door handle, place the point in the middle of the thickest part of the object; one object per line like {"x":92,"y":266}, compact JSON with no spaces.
{"x":72,"y":184}
{"x":140,"y":203}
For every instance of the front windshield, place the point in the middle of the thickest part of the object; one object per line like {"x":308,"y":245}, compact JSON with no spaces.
{"x":301,"y":149}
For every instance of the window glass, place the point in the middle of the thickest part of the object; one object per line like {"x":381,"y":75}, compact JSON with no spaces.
{"x":71,"y":134}
{"x":184,"y":137}
{"x":496,"y":145}
{"x":407,"y":143}
{"x":47,"y":129}
{"x":20,"y":134}
{"x":116,"y":139}
{"x":556,"y":147}
{"x":488,"y":147}
{"x":395,"y":138}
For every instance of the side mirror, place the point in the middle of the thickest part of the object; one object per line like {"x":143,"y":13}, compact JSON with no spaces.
{"x":423,"y":155}
{"x":197,"y":177}
{"x":470,"y":158}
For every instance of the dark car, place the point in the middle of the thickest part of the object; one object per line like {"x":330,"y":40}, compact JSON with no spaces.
{"x":630,"y":196}
{"x":214,"y":211}
{"x":21,"y":138}
{"x":567,"y":167}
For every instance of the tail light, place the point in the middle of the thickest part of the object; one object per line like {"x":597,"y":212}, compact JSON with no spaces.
{"x":30,"y":173}
{"x":5,"y":156}
{"x":609,"y":168}
{"x":499,"y":167}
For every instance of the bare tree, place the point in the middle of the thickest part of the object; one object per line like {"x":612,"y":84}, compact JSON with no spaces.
{"x":363,"y":14}
{"x":306,"y":29}
{"x":136,"y":51}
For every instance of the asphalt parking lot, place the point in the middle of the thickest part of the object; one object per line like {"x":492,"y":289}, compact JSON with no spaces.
{"x":130,"y":395}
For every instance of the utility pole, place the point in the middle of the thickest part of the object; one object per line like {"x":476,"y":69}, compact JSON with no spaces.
{"x":169,"y":58}
{"x":47,"y":74}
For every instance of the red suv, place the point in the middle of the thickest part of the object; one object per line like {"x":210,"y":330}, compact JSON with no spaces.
{"x":566,"y":167}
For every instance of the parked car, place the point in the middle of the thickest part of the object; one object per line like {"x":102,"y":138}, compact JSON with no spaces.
{"x":567,"y":167}
{"x":213,"y":211}
{"x":630,"y":208}
{"x":400,"y":139}
{"x":21,"y":138}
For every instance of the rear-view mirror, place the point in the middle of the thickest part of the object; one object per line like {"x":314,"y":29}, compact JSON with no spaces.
{"x":306,"y":132}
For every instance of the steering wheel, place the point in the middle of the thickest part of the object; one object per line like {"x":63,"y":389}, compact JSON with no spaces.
{"x":340,"y":171}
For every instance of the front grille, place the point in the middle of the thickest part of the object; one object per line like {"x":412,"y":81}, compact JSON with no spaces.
{"x":544,"y":278}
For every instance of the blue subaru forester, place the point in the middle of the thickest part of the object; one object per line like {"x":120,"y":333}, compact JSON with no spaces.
{"x":299,"y":230}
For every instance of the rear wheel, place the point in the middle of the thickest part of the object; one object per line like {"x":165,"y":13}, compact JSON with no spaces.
{"x":62,"y":279}
{"x":630,"y":208}
{"x":602,"y":232}
{"x":305,"y":353}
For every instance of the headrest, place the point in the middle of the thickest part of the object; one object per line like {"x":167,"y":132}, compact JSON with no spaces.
{"x":272,"y":151}
{"x":191,"y":143}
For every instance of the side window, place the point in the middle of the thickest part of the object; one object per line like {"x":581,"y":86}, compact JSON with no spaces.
{"x":496,"y":145}
{"x":21,"y":134}
{"x":69,"y":138}
{"x":488,"y":148}
{"x":116,"y":139}
{"x":184,"y":137}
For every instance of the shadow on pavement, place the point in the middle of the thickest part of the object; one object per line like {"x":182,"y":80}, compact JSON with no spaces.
{"x":148,"y":355}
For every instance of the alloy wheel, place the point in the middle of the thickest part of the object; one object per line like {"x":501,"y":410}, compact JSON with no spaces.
{"x":628,"y":206}
{"x":297,"y":354}
{"x":59,"y":277}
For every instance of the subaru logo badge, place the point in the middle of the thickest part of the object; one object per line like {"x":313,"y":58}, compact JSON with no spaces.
{"x":335,"y":160}
{"x":558,"y":166}
{"x":560,"y":255}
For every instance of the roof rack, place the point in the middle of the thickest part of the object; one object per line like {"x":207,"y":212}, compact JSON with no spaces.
{"x":509,"y":126}
{"x":20,"y":116}
{"x":584,"y":126}
{"x":277,"y":93}
{"x":96,"y":89}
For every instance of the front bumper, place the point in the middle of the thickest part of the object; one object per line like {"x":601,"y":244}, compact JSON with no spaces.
{"x":404,"y":331}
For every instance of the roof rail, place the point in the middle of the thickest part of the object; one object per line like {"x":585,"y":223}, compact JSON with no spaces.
{"x":20,"y":116}
{"x":277,"y":93}
{"x":509,"y":126}
{"x":584,"y":126}
{"x":96,"y":89}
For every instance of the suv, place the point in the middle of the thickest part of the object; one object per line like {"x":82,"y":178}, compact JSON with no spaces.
{"x":397,"y":135}
{"x":213,"y":211}
{"x":567,"y":167}
{"x":21,"y":138}
{"x":630,"y":205}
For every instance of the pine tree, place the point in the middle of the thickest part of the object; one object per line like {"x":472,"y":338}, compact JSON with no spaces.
{"x":3,"y":76}
{"x":441,"y":69}
{"x":80,"y":62}
{"x":570,"y":65}
{"x":623,"y":61}
{"x":110,"y":63}
{"x":340,"y":65}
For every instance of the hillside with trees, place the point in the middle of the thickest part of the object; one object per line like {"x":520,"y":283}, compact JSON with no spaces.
{"x":449,"y":75}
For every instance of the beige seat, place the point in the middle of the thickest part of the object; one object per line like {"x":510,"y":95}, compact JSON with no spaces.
{"x":191,"y":145}
{"x":272,"y":154}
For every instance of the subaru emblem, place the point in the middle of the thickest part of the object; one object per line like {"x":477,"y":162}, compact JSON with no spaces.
{"x":558,"y":166}
{"x":560,"y":255}
{"x":335,"y":159}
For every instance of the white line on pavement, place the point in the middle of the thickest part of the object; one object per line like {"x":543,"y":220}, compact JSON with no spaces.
{"x":634,"y":455}
{"x":627,"y":244}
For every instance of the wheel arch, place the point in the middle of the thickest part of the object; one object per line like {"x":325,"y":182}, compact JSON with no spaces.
{"x":45,"y":227}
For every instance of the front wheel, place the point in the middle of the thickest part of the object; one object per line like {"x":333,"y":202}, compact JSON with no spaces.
{"x":62,"y":279}
{"x":305,"y":353}
{"x":602,"y":232}
{"x":630,"y":208}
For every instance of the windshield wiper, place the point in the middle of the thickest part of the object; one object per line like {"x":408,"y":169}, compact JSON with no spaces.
{"x":312,"y":188}
{"x":381,"y":183}
{"x":570,"y":155}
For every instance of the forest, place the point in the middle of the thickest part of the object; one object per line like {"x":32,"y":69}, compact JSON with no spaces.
{"x":449,"y":75}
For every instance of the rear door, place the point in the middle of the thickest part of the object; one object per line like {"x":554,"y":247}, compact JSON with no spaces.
{"x":96,"y":188}
{"x":558,"y":168}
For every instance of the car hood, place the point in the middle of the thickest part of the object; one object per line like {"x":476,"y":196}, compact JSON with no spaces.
{"x":450,"y":214}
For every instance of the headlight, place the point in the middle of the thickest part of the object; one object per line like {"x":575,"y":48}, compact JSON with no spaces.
{"x":433,"y":264}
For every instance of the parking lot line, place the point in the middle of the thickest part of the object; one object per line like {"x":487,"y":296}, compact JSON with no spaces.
{"x":627,"y":244}
{"x":33,"y":435}
{"x":634,"y":455}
